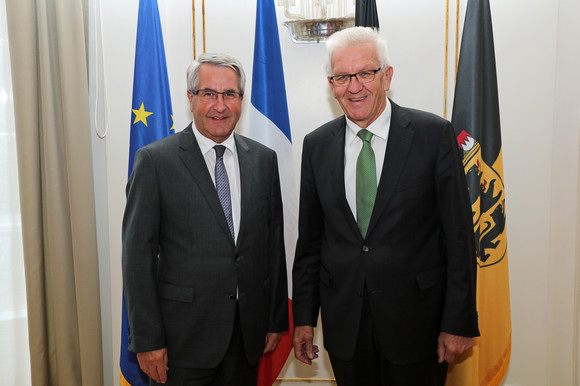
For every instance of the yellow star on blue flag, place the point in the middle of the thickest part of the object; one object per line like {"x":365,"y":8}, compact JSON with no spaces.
{"x":141,"y":115}
{"x":151,"y":97}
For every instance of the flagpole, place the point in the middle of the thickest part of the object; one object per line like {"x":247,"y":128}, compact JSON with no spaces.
{"x":203,"y":22}
{"x":193,"y":27}
{"x":456,"y":42}
{"x":445,"y":87}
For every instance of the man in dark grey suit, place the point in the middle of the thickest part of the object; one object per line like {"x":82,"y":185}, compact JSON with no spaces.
{"x":203,"y":252}
{"x":386,"y":247}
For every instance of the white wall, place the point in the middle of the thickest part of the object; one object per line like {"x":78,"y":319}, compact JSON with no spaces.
{"x":564,"y":216}
{"x":527,"y":120}
{"x":537,"y":60}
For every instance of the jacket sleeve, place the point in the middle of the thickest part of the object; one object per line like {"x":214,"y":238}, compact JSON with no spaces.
{"x":459,"y":313}
{"x":306,"y":270}
{"x":140,"y":254}
{"x":278,"y":319}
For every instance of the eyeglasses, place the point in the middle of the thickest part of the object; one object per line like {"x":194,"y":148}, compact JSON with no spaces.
{"x":363,"y":77}
{"x":209,"y":95}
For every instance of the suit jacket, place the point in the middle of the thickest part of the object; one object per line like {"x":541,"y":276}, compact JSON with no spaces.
{"x":418,"y":258}
{"x":181,"y":269}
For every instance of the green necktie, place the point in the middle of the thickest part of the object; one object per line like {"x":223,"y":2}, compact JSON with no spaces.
{"x":366,"y":182}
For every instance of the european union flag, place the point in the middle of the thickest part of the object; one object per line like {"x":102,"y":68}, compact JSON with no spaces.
{"x":152,"y":116}
{"x":151,"y":119}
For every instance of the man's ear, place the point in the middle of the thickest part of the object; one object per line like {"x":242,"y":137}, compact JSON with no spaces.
{"x":388,"y":77}
{"x":330,"y":82}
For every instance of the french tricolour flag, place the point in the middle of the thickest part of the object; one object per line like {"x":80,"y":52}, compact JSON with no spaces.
{"x":270,"y":125}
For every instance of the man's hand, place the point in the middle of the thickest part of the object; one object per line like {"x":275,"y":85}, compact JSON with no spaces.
{"x":272,"y":339}
{"x":304,"y":350}
{"x":451,"y":345}
{"x":154,"y":364}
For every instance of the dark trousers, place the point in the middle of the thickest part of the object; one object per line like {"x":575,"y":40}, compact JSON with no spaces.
{"x":234,"y":369}
{"x":369,"y":367}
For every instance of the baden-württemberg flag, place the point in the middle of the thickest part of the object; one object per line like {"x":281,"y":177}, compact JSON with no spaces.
{"x":477,"y":125}
{"x":270,"y":125}
{"x":366,"y":14}
{"x":151,"y":119}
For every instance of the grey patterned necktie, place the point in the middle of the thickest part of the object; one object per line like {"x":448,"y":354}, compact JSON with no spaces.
{"x":222,"y":186}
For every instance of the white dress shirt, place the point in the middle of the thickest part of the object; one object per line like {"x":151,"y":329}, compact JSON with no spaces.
{"x":353,"y":145}
{"x":232,"y":166}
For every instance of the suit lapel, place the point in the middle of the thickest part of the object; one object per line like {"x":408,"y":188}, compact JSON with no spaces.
{"x":335,"y":162}
{"x":398,"y":145}
{"x":246,"y":163}
{"x":190,"y":154}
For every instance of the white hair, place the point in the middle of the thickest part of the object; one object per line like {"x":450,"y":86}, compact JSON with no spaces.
{"x":215,"y":60}
{"x":355,"y":36}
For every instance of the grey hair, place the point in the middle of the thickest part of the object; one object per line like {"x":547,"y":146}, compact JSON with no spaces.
{"x":355,"y":36}
{"x":215,"y":60}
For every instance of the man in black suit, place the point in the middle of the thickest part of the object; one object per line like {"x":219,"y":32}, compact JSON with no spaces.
{"x":203,"y":252}
{"x":386,"y":247}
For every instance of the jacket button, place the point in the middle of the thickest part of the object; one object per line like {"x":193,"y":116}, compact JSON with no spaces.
{"x":232,"y":296}
{"x":365,"y":248}
{"x":236,"y":258}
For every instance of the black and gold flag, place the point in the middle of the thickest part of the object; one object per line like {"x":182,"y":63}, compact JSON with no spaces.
{"x":477,"y":124}
{"x":366,"y":14}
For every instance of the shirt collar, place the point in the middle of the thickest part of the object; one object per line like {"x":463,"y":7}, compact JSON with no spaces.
{"x":206,"y":144}
{"x":379,"y":127}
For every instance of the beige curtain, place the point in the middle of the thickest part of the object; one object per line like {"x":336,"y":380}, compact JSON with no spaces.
{"x":50,"y":80}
